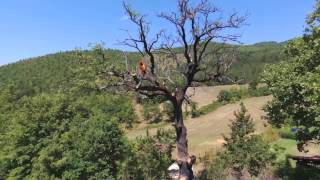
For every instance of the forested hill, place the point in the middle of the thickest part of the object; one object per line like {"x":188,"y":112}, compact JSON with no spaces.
{"x":254,"y":57}
{"x":55,"y":71}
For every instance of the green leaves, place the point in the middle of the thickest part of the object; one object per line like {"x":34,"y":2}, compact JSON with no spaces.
{"x":150,"y":157}
{"x":55,"y":136}
{"x":98,"y":149}
{"x":295,"y":84}
{"x":243,"y":149}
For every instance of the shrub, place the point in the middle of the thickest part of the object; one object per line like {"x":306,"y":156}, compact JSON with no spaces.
{"x":224,"y":96}
{"x":262,"y":91}
{"x":231,"y":95}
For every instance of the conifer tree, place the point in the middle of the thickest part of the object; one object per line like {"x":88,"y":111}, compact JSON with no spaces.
{"x":245,"y":150}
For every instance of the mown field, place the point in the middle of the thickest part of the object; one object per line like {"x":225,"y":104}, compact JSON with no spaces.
{"x":205,"y":132}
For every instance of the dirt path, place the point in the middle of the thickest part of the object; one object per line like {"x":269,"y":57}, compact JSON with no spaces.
{"x":204,"y":133}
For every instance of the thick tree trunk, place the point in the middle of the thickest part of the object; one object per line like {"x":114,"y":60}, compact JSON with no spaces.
{"x":184,"y":161}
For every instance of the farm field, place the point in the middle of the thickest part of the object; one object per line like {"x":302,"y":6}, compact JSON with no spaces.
{"x":205,"y":132}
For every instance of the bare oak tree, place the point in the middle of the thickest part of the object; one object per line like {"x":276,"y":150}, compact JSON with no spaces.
{"x":172,"y":70}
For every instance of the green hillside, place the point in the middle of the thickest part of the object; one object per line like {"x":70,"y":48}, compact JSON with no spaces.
{"x":54,"y":72}
{"x":253,"y":58}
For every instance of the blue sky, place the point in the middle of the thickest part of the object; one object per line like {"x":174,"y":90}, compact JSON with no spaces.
{"x":31,"y":28}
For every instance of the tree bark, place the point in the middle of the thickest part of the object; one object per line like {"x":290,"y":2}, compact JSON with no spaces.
{"x":184,"y":161}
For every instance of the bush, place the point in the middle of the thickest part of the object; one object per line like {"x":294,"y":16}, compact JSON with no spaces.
{"x":232,"y":95}
{"x":224,"y":96}
{"x":235,"y":94}
{"x":262,"y":91}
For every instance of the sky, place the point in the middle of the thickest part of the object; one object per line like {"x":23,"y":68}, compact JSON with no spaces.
{"x":30,"y":28}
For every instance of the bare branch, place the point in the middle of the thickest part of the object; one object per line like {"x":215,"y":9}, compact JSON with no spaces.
{"x":143,"y":30}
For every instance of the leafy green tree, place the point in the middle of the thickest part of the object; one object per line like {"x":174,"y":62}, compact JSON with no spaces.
{"x":98,"y":150}
{"x":243,"y":149}
{"x":119,"y":107}
{"x":54,"y":136}
{"x":295,"y":84}
{"x":33,"y":126}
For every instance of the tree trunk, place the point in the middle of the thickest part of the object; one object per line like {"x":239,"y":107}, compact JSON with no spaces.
{"x":184,"y":161}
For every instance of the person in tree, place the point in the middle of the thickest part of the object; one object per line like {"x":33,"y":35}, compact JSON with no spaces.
{"x":142,"y":71}
{"x":142,"y":68}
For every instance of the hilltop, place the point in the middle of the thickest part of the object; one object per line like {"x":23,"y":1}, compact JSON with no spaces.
{"x":55,"y":71}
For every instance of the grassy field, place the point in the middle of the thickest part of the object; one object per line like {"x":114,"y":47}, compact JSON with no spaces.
{"x":289,"y":169}
{"x":205,"y":132}
{"x":290,"y":148}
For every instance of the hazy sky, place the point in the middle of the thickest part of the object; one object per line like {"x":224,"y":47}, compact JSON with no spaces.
{"x":31,"y":28}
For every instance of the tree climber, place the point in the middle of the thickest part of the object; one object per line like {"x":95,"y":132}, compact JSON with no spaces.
{"x":142,"y":71}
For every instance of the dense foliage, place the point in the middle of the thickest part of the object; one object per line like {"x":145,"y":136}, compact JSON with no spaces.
{"x":53,"y":136}
{"x":295,"y":85}
{"x":150,"y":156}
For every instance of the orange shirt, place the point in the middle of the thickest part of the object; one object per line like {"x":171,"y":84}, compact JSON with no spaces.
{"x":142,"y":67}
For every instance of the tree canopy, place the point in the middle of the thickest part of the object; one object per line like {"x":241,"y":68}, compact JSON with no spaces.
{"x":295,"y":85}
